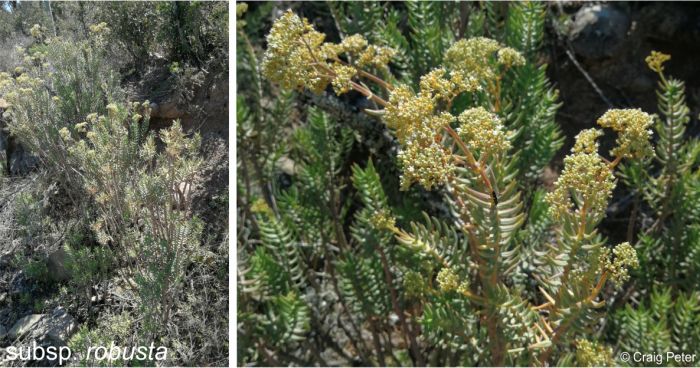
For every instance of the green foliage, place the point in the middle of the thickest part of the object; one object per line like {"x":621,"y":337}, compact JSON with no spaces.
{"x":670,"y":186}
{"x":664,"y":324}
{"x":134,"y":27}
{"x":196,"y":31}
{"x":498,"y":271}
{"x":117,"y":329}
{"x":131,"y":182}
{"x":35,"y":269}
{"x":87,"y":266}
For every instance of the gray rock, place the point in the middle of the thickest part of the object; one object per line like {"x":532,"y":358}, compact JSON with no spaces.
{"x":22,"y":161}
{"x":56,"y":265}
{"x":3,"y":332}
{"x":55,"y":328}
{"x":58,"y":327}
{"x":599,"y":31}
{"x":24,"y":325}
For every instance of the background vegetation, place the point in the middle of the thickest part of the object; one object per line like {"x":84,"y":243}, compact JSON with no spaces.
{"x":113,"y":192}
{"x":324,"y":274}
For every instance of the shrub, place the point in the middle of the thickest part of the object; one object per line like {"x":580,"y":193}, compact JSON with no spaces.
{"x":57,"y":86}
{"x":501,"y":272}
{"x":143,"y":201}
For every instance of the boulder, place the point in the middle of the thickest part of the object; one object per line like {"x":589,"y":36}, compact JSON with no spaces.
{"x":56,"y":265}
{"x":58,"y":327}
{"x":54,"y":328}
{"x":22,"y":161}
{"x":166,"y":110}
{"x":24,"y":325}
{"x":599,"y":31}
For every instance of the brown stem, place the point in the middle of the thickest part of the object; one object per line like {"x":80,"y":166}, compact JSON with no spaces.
{"x":365,"y":91}
{"x":409,"y":338}
{"x":562,"y":329}
{"x":470,"y":157}
{"x":615,"y":162}
{"x":377,"y":343}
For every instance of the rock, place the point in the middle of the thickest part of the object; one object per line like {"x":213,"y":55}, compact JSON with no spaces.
{"x":4,"y":104}
{"x":599,"y":31}
{"x":166,"y":110}
{"x":55,"y":328}
{"x":287,"y":165}
{"x":3,"y":332}
{"x":60,"y":326}
{"x":56,"y":265}
{"x":22,"y":161}
{"x":24,"y":325}
{"x":641,"y":84}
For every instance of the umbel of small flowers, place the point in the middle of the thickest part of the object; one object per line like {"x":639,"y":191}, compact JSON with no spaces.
{"x":587,"y":177}
{"x":298,"y":57}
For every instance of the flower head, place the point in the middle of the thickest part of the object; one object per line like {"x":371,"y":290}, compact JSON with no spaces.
{"x":294,"y":52}
{"x":112,"y":109}
{"x":592,"y":354}
{"x":354,"y":44}
{"x":259,"y":206}
{"x":434,"y":84}
{"x":343,"y":77}
{"x":473,"y":57}
{"x":448,"y":279}
{"x":406,"y":111}
{"x":81,"y":127}
{"x":624,"y":258}
{"x":36,"y":31}
{"x":376,"y":56}
{"x":426,"y":162}
{"x":64,"y":133}
{"x":241,"y":8}
{"x":656,"y":60}
{"x":510,"y":57}
{"x":382,"y":220}
{"x":586,"y":141}
{"x":101,"y":28}
{"x":632,"y":126}
{"x":587,"y":178}
{"x":482,"y":131}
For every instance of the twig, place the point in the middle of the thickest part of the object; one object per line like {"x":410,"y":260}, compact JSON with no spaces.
{"x":588,"y":77}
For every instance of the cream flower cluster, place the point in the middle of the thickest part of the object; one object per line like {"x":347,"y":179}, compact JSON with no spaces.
{"x":479,"y":57}
{"x":592,"y":354}
{"x":585,"y":176}
{"x":586,"y":141}
{"x":418,"y":127}
{"x":449,"y":281}
{"x":483,"y":131}
{"x":624,"y":258}
{"x":422,"y":156}
{"x":426,"y":161}
{"x":632,"y":126}
{"x":656,"y":61}
{"x":297,"y":56}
